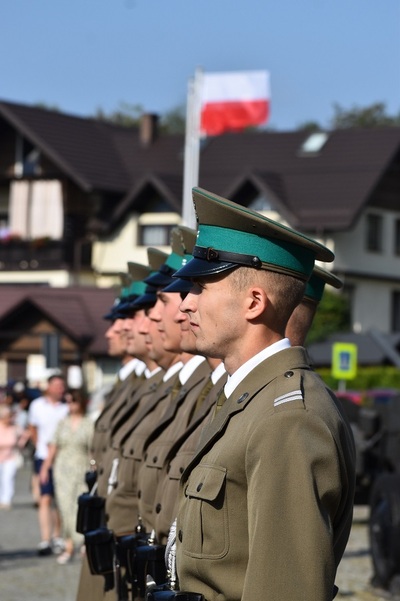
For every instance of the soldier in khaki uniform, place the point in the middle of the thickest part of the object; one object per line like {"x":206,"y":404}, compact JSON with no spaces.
{"x":185,"y":446}
{"x":130,"y":376}
{"x":179,"y":454}
{"x":194,"y":378}
{"x":266,"y":503}
{"x":302,"y":317}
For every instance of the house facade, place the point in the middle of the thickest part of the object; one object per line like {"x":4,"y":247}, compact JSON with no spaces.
{"x":79,"y":198}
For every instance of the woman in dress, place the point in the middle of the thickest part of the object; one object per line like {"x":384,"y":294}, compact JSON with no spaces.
{"x":69,"y":457}
{"x":12,"y":440}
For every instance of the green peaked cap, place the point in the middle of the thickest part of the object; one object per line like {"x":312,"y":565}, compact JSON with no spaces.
{"x":316,"y":284}
{"x":230,"y":235}
{"x":138,"y":273}
{"x":182,"y":243}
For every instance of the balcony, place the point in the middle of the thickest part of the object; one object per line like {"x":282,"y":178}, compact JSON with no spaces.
{"x":44,"y":254}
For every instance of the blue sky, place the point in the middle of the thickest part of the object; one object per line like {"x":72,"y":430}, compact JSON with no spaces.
{"x":81,"y":55}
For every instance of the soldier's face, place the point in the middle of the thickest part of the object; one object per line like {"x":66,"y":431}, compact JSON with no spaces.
{"x":188,"y":339}
{"x":215,"y":315}
{"x":169,"y":329}
{"x":154,"y":343}
{"x":116,"y":338}
{"x":136,"y":345}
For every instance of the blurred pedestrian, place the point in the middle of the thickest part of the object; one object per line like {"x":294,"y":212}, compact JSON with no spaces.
{"x":44,"y":414}
{"x":12,"y":440}
{"x":69,"y":457}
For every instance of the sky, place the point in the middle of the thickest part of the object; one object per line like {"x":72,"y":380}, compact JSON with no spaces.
{"x":85,"y":55}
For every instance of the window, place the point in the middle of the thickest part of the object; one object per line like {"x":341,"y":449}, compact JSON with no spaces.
{"x":313,"y":144}
{"x":155,"y":235}
{"x":374,"y":233}
{"x":396,"y":311}
{"x":27,"y":159}
{"x":397,"y":237}
{"x":36,"y":209}
{"x":260,"y":203}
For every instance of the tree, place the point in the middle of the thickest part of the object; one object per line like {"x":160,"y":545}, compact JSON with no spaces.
{"x":333,"y":315}
{"x":310,"y":126}
{"x":127,"y":115}
{"x":374,"y":115}
{"x":174,"y":121}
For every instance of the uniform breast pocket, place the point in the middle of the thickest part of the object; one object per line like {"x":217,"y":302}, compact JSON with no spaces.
{"x":205,"y":513}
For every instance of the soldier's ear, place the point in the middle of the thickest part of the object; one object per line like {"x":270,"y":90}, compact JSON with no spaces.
{"x":256,"y":302}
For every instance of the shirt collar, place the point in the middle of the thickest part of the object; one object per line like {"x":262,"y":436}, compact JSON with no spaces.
{"x":239,"y":375}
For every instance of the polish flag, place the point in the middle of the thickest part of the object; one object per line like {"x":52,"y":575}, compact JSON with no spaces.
{"x":233,"y":101}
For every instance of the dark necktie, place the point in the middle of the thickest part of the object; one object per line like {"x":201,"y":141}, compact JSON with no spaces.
{"x":175,"y":387}
{"x":202,"y":395}
{"x":220,"y":401}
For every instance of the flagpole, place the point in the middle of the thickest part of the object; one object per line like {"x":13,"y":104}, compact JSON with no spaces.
{"x":192,"y":148}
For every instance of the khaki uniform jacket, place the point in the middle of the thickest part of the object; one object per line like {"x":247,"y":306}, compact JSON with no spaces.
{"x":165,"y":506}
{"x":266,"y":503}
{"x":123,"y":423}
{"x":91,"y":587}
{"x":174,"y":423}
{"x":104,"y":422}
{"x":122,"y":501}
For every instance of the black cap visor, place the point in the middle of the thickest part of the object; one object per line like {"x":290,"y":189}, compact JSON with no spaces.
{"x":145,"y":301}
{"x":197,"y":268}
{"x":179,"y":285}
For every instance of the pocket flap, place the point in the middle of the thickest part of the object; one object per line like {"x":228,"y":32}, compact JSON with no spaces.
{"x":206,"y":482}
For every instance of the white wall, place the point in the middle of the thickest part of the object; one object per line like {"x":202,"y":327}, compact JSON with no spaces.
{"x":371,"y":306}
{"x":351,"y":254}
{"x":61,"y":278}
{"x":113,"y":254}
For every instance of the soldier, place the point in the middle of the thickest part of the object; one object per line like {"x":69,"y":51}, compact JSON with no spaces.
{"x":301,"y":319}
{"x":176,"y":455}
{"x":130,"y":433}
{"x":181,"y":454}
{"x":129,"y":376}
{"x":195,"y":383}
{"x":266,"y":503}
{"x":92,"y":587}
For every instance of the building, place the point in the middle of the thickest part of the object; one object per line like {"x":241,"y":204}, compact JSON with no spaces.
{"x":80,"y":197}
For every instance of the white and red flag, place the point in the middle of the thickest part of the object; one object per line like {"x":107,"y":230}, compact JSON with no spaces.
{"x":233,"y":101}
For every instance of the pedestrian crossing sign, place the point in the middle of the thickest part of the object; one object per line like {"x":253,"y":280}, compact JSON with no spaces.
{"x":344,"y":360}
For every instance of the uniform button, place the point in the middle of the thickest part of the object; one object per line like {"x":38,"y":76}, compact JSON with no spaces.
{"x":199,"y":487}
{"x":289,"y":374}
{"x":131,"y":451}
{"x":180,"y":535}
{"x":155,"y":459}
{"x":181,"y":470}
{"x":243,"y":397}
{"x":101,"y":471}
{"x":104,"y":449}
{"x":158,"y":507}
{"x":139,"y":494}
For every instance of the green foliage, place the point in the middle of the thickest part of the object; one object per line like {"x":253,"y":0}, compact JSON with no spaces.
{"x":374,"y":115}
{"x":310,"y":126}
{"x":380,"y":376}
{"x":127,"y":115}
{"x":333,"y":315}
{"x":174,"y":121}
{"x":47,"y":107}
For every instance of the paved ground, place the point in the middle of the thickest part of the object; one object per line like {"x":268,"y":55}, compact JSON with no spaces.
{"x":26,"y":577}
